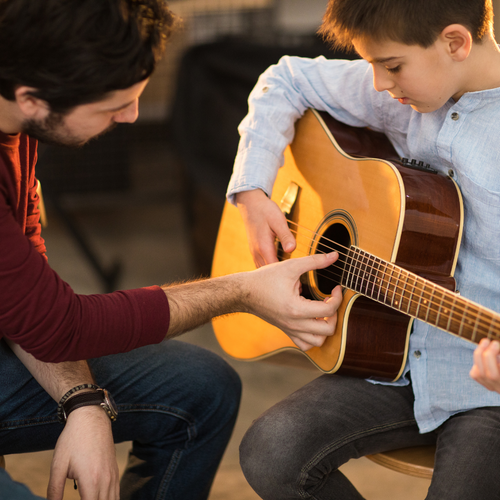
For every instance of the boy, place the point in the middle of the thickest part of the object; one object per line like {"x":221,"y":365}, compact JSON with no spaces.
{"x":69,"y":70}
{"x":430,"y":80}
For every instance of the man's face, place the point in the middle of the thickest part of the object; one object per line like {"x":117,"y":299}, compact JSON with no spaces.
{"x":87,"y":121}
{"x":418,"y":77}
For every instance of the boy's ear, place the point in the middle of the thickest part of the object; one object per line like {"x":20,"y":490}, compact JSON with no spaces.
{"x":32,"y":107}
{"x":458,"y":41}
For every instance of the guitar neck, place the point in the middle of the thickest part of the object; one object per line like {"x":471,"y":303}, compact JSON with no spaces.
{"x":418,"y":297}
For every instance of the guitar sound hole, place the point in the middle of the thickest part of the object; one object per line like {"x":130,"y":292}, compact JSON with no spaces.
{"x":336,"y":237}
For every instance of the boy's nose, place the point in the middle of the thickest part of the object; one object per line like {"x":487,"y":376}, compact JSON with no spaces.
{"x":382,"y":80}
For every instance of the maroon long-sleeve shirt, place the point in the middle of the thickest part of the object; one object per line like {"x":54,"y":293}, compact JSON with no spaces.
{"x":38,"y":310}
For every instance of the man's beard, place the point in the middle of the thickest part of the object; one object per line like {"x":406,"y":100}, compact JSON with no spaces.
{"x":52,"y":131}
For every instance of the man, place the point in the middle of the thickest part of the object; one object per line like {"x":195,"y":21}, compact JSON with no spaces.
{"x":69,"y":71}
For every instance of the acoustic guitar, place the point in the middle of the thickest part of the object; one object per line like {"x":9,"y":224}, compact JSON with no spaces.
{"x":397,"y":225}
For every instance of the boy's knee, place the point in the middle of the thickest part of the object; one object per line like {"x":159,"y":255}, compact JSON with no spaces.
{"x":265,"y":459}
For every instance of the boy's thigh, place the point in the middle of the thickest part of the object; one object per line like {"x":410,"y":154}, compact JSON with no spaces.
{"x":326,"y":423}
{"x":467,"y":457}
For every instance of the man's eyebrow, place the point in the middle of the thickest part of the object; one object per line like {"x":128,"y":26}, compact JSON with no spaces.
{"x":123,"y":106}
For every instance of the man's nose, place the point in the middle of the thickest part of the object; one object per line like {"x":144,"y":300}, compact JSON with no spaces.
{"x":129,"y":114}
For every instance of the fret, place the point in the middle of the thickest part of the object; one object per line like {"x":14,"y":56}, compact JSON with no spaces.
{"x":442,"y":310}
{"x":404,"y":295}
{"x":388,"y":289}
{"x":429,"y":304}
{"x":420,"y":300}
{"x":415,"y":292}
{"x":396,"y":303}
{"x":382,"y":282}
{"x":493,"y":326}
{"x":363,"y":271}
{"x":412,"y":293}
{"x":346,"y":278}
{"x":450,"y":315}
{"x":463,"y":320}
{"x":358,"y":269}
{"x":372,"y":261}
{"x":474,"y":328}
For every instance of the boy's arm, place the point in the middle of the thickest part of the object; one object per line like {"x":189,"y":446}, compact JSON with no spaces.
{"x":85,"y":449}
{"x":283,"y":93}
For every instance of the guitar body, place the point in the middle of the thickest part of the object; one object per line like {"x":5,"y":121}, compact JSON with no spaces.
{"x":350,"y":194}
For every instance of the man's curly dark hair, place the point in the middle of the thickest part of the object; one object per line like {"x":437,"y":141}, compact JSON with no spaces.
{"x":74,"y":52}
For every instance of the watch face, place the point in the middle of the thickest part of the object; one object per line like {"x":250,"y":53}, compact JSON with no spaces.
{"x":110,"y":405}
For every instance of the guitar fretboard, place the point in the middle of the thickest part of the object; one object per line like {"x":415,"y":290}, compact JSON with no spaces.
{"x":418,"y":297}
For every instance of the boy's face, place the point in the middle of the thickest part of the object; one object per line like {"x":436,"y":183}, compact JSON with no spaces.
{"x":417,"y":77}
{"x":87,"y":121}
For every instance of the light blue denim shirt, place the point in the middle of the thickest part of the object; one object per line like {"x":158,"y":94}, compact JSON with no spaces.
{"x":469,"y":146}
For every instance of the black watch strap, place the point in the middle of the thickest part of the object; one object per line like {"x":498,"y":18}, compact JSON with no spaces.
{"x":97,"y":398}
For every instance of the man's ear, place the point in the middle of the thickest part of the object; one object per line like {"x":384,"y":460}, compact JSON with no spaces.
{"x":458,"y":41}
{"x":32,"y":107}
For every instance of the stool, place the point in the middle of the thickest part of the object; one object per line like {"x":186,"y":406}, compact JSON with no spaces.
{"x":417,"y":461}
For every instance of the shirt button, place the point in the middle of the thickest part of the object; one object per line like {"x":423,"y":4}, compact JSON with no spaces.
{"x":417,"y":354}
{"x":455,"y":116}
{"x":451,"y":173}
{"x":265,"y":89}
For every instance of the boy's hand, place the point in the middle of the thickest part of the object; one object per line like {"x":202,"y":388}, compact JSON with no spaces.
{"x":274,"y":295}
{"x":486,"y":369}
{"x":264,"y":222}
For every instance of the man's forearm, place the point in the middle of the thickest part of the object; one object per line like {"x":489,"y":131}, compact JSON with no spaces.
{"x":55,"y":378}
{"x":271,"y":292}
{"x":195,"y":303}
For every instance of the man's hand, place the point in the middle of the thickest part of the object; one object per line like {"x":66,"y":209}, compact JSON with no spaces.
{"x":486,"y":369}
{"x":85,"y":451}
{"x":264,"y":222}
{"x":275,"y":297}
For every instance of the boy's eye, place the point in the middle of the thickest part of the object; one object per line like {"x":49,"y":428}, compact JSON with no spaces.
{"x":394,"y":70}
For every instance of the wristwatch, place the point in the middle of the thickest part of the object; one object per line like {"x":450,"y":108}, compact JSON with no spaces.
{"x":100,"y":397}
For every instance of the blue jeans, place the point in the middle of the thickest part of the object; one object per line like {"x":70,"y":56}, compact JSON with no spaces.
{"x":294,"y":450}
{"x":177,"y":403}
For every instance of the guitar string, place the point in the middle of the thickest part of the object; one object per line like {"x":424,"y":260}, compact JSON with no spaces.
{"x":338,"y":278}
{"x":480,"y":324}
{"x":377,"y":270}
{"x":401,"y":290}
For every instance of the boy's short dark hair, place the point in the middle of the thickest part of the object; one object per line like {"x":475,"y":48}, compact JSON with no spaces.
{"x":76,"y":51}
{"x":412,"y":22}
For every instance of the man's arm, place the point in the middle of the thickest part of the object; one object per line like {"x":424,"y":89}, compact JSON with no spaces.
{"x":271,"y":292}
{"x":85,"y":450}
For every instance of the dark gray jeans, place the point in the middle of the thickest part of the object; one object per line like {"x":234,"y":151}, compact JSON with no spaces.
{"x":294,"y":450}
